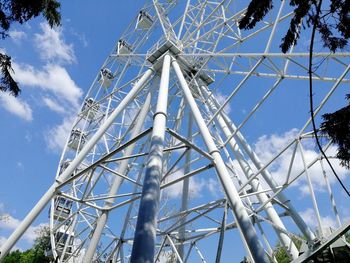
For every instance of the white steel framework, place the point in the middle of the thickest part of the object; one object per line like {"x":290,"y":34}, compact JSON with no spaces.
{"x":162,"y":164}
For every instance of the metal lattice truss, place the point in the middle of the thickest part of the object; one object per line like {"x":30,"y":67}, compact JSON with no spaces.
{"x":168,"y":111}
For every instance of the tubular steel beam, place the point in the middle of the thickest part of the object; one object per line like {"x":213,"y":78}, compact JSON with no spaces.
{"x":145,"y":234}
{"x":255,"y":184}
{"x":269,"y":179}
{"x":245,"y":226}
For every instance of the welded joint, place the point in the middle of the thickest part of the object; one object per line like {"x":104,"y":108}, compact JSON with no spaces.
{"x":59,"y":182}
{"x":214,"y":151}
{"x":160,"y":112}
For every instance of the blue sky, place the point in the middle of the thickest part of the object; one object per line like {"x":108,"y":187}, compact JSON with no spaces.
{"x":55,"y":68}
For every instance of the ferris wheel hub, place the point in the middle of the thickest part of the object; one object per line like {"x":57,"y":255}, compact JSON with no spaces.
{"x":191,"y":66}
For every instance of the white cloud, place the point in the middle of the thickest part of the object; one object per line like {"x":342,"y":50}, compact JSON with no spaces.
{"x":327,"y":222}
{"x":10,"y":223}
{"x":19,"y":164}
{"x":51,"y":45}
{"x":214,"y":187}
{"x":28,"y":137}
{"x":130,"y":114}
{"x":17,"y":36}
{"x":55,"y":89}
{"x":57,"y":136}
{"x":53,"y":105}
{"x":268,"y":146}
{"x":16,"y":106}
{"x":81,"y":37}
{"x":196,"y":186}
{"x":221,"y":99}
{"x":52,"y":78}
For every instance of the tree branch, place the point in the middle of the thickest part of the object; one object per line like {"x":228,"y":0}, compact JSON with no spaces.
{"x":315,"y":24}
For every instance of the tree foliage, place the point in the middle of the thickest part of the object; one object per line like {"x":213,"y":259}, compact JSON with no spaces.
{"x":281,"y":254}
{"x":337,"y":126}
{"x":21,"y":11}
{"x":34,"y":255}
{"x":333,"y":24}
{"x":7,"y":83}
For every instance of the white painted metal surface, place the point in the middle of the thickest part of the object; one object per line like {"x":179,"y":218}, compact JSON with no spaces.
{"x":237,"y":86}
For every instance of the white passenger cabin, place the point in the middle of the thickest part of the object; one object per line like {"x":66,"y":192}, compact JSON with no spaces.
{"x":63,"y":208}
{"x":123,"y":47}
{"x":90,"y":108}
{"x":77,"y":139}
{"x":48,"y":253}
{"x":63,"y":236}
{"x":106,"y":77}
{"x":64,"y":165}
{"x":144,"y":20}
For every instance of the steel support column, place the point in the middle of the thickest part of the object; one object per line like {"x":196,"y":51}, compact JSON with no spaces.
{"x":255,"y":184}
{"x":244,"y":224}
{"x":145,"y":234}
{"x":269,"y":179}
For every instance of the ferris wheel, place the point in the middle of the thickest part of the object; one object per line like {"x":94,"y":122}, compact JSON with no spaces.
{"x":170,"y":159}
